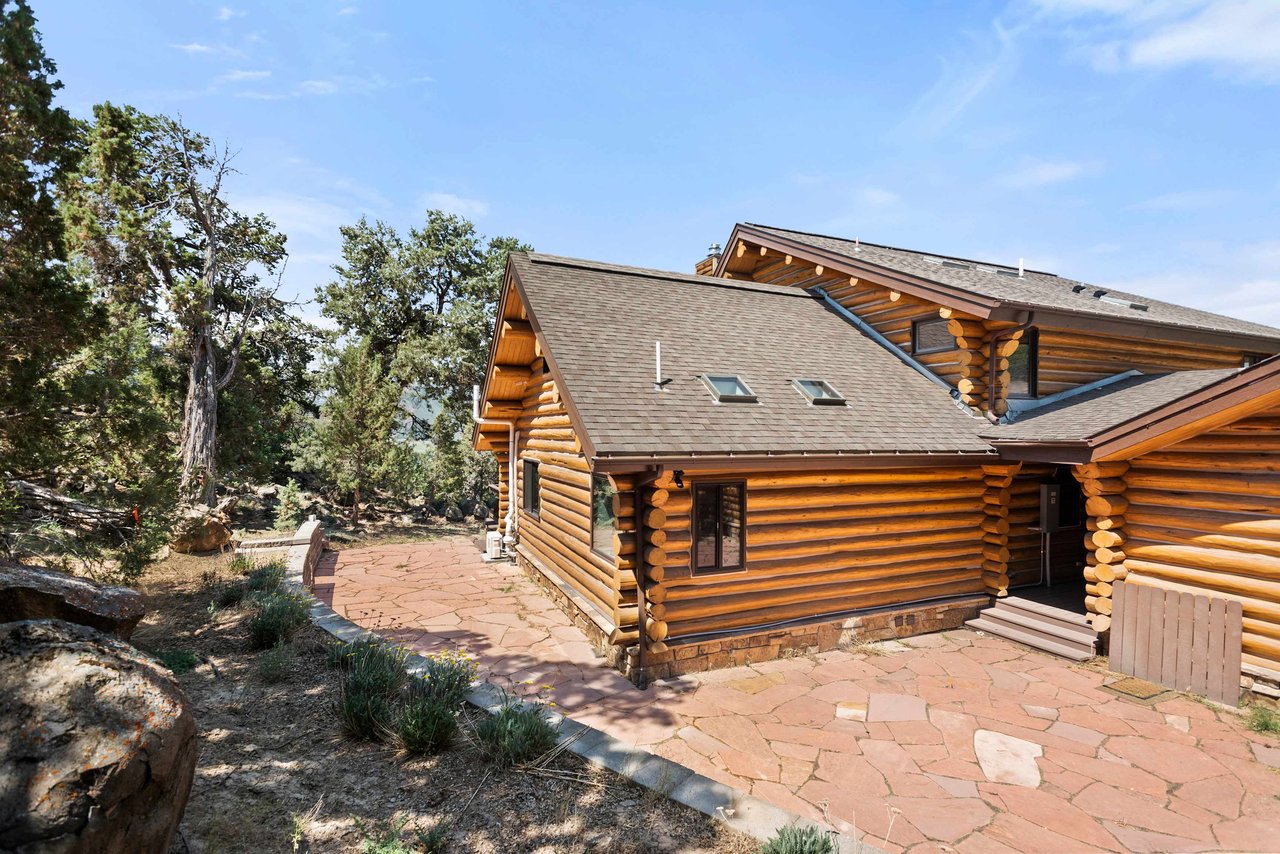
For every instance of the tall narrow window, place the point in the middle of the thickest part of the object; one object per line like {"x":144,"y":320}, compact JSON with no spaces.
{"x":718,"y":517}
{"x":532,"y":489}
{"x":1024,"y":365}
{"x":603,"y":521}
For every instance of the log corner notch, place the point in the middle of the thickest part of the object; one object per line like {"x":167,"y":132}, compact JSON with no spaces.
{"x":1004,"y":342}
{"x":995,"y":527}
{"x":1104,"y":487}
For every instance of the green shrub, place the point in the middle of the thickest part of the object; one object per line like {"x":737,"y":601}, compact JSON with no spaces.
{"x":240,"y":564}
{"x":435,"y":840}
{"x":799,"y":840}
{"x":1262,"y":719}
{"x":266,"y":578}
{"x":384,"y":837}
{"x":178,"y":660}
{"x":372,"y":678}
{"x":273,"y":665}
{"x":426,"y":722}
{"x":289,"y":510}
{"x":229,"y":596}
{"x":277,"y":618}
{"x":448,"y":676}
{"x":515,"y":734}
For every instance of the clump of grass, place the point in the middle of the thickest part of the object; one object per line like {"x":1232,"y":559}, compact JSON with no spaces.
{"x":273,"y":665}
{"x":1262,"y":719}
{"x":278,"y":618}
{"x":515,"y":734}
{"x":229,"y":597}
{"x":240,"y":564}
{"x":178,"y":660}
{"x":425,"y":723}
{"x":799,"y":840}
{"x":383,"y":837}
{"x":372,"y":677}
{"x":265,"y":578}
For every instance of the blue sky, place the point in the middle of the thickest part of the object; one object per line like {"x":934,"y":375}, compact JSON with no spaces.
{"x":1126,"y":143}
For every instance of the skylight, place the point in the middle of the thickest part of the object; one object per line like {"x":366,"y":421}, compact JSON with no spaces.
{"x":819,"y":392}
{"x":728,"y":388}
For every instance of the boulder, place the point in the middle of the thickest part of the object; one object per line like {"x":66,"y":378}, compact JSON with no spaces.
{"x":98,"y":740}
{"x":454,"y":513}
{"x":37,"y":593}
{"x":204,"y":529}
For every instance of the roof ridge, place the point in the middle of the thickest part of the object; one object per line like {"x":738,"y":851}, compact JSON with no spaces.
{"x":667,"y":275}
{"x":900,"y":249}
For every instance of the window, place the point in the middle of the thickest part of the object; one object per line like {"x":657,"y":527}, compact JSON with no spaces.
{"x":532,"y":489}
{"x":819,"y":392}
{"x":728,"y":389}
{"x":1024,"y":366}
{"x":718,"y":514}
{"x":1251,"y":359}
{"x":931,"y":336}
{"x":603,"y":521}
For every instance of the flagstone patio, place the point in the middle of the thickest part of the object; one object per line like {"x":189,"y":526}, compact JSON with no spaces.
{"x":944,"y":742}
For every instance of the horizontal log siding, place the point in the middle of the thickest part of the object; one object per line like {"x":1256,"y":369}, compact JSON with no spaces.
{"x":891,"y":317}
{"x":561,"y":536}
{"x":820,"y":543}
{"x":1069,"y":357}
{"x":1204,"y":516}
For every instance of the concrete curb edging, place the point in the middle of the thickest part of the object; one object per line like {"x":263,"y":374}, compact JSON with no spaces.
{"x":744,"y":813}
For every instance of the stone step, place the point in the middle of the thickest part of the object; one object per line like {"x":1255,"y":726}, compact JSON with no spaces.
{"x":1023,"y":603}
{"x":1073,"y":634}
{"x":1032,"y":638}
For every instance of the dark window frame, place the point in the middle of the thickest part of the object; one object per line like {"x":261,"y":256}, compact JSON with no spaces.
{"x":606,"y":555}
{"x":531,"y":499}
{"x":915,"y":337}
{"x":1248,"y":360}
{"x":696,"y":513}
{"x":1032,"y":339}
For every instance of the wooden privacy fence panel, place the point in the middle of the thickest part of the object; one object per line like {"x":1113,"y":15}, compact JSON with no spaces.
{"x":1185,"y":641}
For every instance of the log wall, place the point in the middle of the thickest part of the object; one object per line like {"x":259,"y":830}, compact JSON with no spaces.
{"x":1069,"y":357}
{"x":560,"y":536}
{"x":824,"y":542}
{"x":1203,"y":515}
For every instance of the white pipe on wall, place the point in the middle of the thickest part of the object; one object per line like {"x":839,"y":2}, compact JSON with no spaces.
{"x":513,"y":437}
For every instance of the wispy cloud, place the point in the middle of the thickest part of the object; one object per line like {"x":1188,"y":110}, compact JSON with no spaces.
{"x":1043,"y":173}
{"x":878,"y":197}
{"x":319,"y":88}
{"x":240,"y":75}
{"x":963,"y":79}
{"x":193,"y":48}
{"x":226,"y":13}
{"x":349,"y":10}
{"x":470,"y":208}
{"x":1236,"y":38}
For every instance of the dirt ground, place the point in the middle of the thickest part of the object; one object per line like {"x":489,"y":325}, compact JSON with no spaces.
{"x":276,"y":773}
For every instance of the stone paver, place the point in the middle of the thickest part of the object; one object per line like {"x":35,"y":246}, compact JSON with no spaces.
{"x":954,"y":741}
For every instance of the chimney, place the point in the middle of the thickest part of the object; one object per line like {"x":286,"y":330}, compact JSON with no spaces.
{"x":707,"y":266}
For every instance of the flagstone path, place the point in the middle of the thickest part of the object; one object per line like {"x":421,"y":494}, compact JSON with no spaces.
{"x":945,"y":742}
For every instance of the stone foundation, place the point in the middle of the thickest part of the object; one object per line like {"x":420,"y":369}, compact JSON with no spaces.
{"x":750,"y":647}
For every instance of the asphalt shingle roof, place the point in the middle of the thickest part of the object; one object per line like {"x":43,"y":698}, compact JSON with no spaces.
{"x":600,"y":322}
{"x":1089,"y":413}
{"x":1034,"y":289}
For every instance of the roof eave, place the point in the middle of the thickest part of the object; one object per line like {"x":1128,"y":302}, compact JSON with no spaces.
{"x":777,"y":461}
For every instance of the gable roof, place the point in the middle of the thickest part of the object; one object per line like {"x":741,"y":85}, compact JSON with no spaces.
{"x":598,"y":324}
{"x":998,"y":292}
{"x":1125,"y":417}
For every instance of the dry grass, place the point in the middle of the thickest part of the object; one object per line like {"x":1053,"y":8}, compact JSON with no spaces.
{"x":275,"y":774}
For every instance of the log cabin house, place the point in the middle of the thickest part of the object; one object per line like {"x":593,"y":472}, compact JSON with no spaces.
{"x":814,"y":440}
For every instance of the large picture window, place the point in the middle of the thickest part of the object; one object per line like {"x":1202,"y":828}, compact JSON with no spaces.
{"x":719,"y":512}
{"x":603,"y":522}
{"x":1024,"y":365}
{"x":532,"y":489}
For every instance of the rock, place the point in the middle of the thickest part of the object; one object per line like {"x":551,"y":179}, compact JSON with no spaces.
{"x":98,"y":740}
{"x":267,"y":491}
{"x":203,"y":529}
{"x":453,"y":513}
{"x":1005,"y":759}
{"x":36,"y":593}
{"x":481,"y":512}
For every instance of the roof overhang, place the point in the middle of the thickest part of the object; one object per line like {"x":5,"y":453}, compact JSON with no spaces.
{"x":986,"y":308}
{"x":1240,"y":395}
{"x":620,"y":463}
